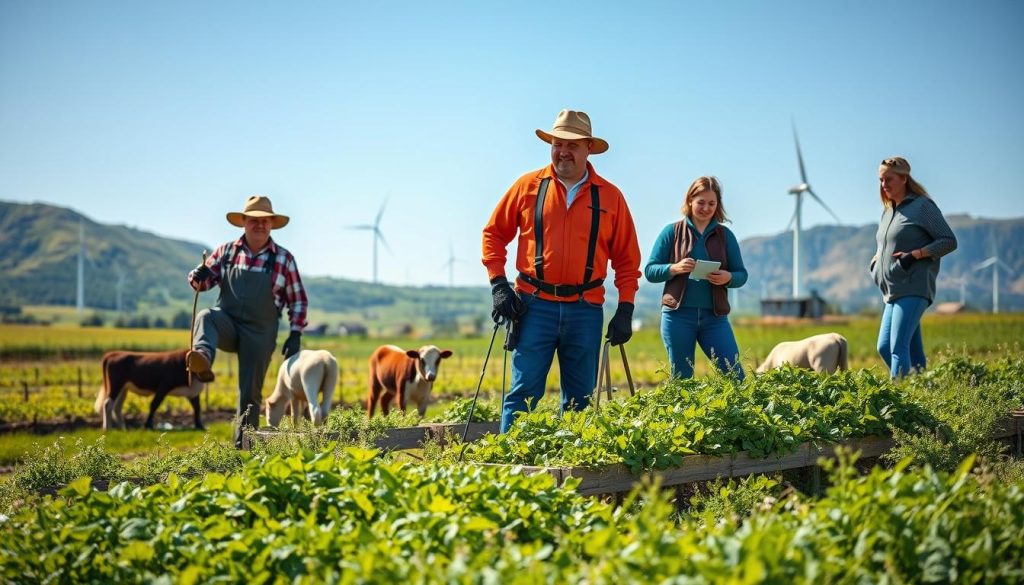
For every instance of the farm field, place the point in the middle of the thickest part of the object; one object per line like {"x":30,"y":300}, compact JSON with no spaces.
{"x":946,"y":504}
{"x":52,"y":374}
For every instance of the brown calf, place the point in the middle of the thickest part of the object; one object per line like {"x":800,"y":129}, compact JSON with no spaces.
{"x":156,"y":374}
{"x":409,"y":375}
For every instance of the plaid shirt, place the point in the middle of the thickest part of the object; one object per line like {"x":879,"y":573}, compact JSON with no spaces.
{"x":287,"y":285}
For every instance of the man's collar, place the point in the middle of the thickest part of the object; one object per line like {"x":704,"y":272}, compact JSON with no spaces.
{"x":548,"y":172}
{"x":241,"y":243}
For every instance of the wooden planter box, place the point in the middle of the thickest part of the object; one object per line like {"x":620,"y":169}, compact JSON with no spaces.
{"x":398,"y":438}
{"x":616,"y":478}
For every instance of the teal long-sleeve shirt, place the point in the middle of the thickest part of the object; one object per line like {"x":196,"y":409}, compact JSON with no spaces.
{"x":698,"y":292}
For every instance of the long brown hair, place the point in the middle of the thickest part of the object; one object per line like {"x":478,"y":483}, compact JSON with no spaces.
{"x":699,"y":185}
{"x":900,"y":166}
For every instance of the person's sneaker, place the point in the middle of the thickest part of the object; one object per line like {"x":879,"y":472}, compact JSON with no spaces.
{"x":197,"y":363}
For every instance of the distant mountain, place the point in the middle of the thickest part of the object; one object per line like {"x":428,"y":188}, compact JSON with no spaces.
{"x":39,"y":255}
{"x":836,"y":261}
{"x":39,"y":246}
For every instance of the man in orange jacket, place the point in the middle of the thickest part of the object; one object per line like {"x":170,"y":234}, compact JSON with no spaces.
{"x":571,"y":222}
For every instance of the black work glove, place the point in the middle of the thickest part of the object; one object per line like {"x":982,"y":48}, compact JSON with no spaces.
{"x":507,"y":304}
{"x":202,"y":273}
{"x":291,"y":345}
{"x":620,"y":328}
{"x":906,"y":261}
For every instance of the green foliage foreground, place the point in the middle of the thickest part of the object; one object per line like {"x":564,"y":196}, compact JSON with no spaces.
{"x":357,"y":518}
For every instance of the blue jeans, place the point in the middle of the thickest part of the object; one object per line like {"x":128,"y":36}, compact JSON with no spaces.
{"x":685,"y":327}
{"x":573,"y":329}
{"x":899,"y":337}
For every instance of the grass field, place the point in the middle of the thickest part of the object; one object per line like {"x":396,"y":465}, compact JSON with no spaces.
{"x":48,"y":361}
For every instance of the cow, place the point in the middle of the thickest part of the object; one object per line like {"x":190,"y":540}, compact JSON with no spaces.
{"x":300,"y":380}
{"x":409,"y":375}
{"x":156,"y":374}
{"x":823,"y":353}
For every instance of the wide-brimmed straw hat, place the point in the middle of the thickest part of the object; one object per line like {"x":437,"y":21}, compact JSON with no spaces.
{"x":257,"y":206}
{"x":573,"y":125}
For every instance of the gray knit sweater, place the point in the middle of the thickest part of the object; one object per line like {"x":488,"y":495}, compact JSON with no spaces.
{"x":915,"y":223}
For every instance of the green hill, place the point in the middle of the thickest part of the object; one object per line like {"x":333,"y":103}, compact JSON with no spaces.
{"x":39,"y":255}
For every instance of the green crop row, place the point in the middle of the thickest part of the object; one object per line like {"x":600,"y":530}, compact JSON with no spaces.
{"x":313,"y":518}
{"x":765,"y":415}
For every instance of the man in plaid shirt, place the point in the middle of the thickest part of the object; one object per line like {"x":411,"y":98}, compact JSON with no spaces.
{"x":257,"y":279}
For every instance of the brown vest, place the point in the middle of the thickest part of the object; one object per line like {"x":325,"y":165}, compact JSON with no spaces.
{"x":676,"y":286}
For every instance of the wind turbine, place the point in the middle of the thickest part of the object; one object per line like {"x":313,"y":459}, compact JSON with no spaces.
{"x":996,"y":264}
{"x":80,"y":290}
{"x":377,"y":236}
{"x":450,"y":265}
{"x":798,"y":192}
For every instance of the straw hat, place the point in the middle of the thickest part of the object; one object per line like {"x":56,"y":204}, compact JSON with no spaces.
{"x":573,"y":125}
{"x":258,"y":206}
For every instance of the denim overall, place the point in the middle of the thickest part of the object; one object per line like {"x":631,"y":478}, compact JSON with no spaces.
{"x":243,"y":322}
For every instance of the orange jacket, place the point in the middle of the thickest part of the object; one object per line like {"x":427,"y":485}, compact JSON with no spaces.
{"x":566,"y":234}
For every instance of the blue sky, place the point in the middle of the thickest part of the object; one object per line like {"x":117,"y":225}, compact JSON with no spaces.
{"x":167,"y":115}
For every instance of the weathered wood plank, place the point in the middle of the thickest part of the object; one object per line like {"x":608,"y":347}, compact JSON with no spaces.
{"x":397,"y":438}
{"x":618,"y":478}
{"x":477,"y":430}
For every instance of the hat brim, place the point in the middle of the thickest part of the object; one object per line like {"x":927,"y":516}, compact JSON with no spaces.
{"x":600,"y":145}
{"x":237,"y":218}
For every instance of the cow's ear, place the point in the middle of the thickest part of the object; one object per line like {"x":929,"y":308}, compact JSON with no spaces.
{"x":413,"y":354}
{"x":446,"y":353}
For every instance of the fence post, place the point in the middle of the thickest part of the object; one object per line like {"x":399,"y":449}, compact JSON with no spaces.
{"x":24,"y":386}
{"x":79,"y":381}
{"x":37,"y":377}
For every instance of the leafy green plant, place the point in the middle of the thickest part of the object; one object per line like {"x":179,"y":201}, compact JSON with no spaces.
{"x":764,"y":416}
{"x":457,"y":411}
{"x":314,"y":517}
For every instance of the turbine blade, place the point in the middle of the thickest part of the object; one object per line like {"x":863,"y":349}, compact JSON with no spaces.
{"x":792,"y":220}
{"x":380,"y":213}
{"x":822,"y":203}
{"x":1006,"y":268}
{"x":359,"y":227}
{"x":986,"y":263}
{"x":380,"y":235}
{"x":799,"y":156}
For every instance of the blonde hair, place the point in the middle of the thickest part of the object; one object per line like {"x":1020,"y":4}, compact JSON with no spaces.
{"x":699,"y":185}
{"x":900,"y":166}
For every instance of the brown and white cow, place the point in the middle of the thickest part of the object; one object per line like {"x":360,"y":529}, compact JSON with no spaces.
{"x":823,"y":353}
{"x":156,"y":374}
{"x":409,"y":375}
{"x":302,"y":378}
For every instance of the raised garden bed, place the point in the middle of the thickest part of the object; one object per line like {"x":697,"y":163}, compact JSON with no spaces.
{"x":398,"y":438}
{"x":617,"y":478}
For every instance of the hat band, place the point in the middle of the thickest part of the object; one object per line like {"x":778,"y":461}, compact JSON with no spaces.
{"x":572,"y":130}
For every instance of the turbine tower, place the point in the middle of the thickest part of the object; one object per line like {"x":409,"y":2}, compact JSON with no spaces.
{"x":80,"y":292}
{"x":797,"y":192}
{"x":996,"y":265}
{"x":378,"y":236}
{"x":450,"y":265}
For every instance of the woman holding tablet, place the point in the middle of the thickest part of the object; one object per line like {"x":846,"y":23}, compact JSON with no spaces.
{"x":697,"y":311}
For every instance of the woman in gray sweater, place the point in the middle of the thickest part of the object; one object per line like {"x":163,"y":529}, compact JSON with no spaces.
{"x":912,"y":236}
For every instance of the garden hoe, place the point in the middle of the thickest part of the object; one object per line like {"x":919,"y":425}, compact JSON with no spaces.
{"x":192,"y":337}
{"x":479,"y":383}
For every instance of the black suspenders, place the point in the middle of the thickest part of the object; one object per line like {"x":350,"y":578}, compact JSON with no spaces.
{"x":564,"y":290}
{"x":595,"y":228}
{"x":538,"y":229}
